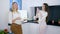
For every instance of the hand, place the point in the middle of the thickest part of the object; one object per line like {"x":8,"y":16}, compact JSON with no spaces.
{"x":37,"y":10}
{"x":18,"y":18}
{"x":35,"y":17}
{"x":25,"y":19}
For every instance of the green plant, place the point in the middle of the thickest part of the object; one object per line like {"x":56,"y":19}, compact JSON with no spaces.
{"x":2,"y":32}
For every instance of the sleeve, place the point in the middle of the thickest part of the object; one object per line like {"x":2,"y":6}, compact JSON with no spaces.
{"x":43,"y":16}
{"x":10,"y":18}
{"x":37,"y":15}
{"x":23,"y":17}
{"x":19,"y":15}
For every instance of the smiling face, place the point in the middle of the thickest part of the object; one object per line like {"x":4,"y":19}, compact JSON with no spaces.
{"x":14,"y":6}
{"x":45,"y":7}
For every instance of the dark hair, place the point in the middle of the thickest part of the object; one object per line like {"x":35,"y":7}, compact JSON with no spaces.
{"x":46,"y":7}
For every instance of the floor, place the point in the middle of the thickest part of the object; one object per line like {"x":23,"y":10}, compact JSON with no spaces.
{"x":33,"y":28}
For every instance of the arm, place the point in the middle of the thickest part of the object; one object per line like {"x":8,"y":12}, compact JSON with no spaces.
{"x":13,"y":20}
{"x":36,"y":16}
{"x":10,"y":17}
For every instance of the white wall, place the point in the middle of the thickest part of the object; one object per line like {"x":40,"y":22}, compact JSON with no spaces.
{"x":31,"y":3}
{"x":4,"y":8}
{"x":26,"y":4}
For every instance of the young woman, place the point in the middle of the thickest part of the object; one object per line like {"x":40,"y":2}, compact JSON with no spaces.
{"x":15,"y":19}
{"x":41,"y":15}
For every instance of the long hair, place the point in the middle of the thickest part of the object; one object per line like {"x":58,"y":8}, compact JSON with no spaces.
{"x":46,"y":7}
{"x":47,"y":10}
{"x":12,"y":7}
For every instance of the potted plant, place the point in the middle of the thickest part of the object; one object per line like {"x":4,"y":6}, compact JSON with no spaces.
{"x":5,"y":31}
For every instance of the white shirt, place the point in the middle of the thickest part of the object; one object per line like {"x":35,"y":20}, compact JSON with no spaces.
{"x":42,"y":17}
{"x":13,"y":16}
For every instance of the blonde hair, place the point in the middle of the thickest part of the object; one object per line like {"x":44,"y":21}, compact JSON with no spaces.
{"x":13,"y":8}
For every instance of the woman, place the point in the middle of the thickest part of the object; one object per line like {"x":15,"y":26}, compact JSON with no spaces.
{"x":41,"y":15}
{"x":15,"y":19}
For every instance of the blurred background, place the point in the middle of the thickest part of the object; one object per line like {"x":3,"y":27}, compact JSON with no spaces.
{"x":30,"y":6}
